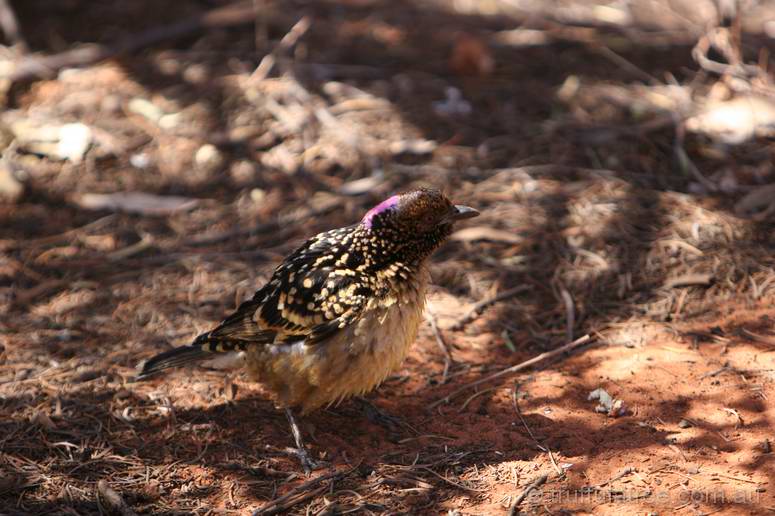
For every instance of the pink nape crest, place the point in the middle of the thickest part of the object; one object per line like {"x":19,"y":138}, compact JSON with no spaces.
{"x":379,"y":208}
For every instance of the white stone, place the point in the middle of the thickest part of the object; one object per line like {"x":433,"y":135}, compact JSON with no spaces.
{"x":74,"y":141}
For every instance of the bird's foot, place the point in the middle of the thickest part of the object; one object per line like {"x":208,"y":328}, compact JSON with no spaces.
{"x":308,"y":464}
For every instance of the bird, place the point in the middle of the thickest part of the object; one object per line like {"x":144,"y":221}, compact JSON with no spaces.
{"x":339,"y":314}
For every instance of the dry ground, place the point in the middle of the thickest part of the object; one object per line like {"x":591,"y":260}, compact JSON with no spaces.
{"x":571,"y":138}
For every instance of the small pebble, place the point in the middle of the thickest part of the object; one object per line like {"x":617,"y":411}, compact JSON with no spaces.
{"x":140,"y":160}
{"x":145,"y":108}
{"x":74,"y":141}
{"x":257,"y":195}
{"x":170,"y":121}
{"x":208,"y":157}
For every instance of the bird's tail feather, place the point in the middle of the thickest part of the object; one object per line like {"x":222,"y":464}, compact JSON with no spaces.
{"x":203,"y":347}
{"x":172,"y":358}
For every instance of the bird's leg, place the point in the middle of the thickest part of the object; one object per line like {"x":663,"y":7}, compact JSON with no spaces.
{"x":301,"y":452}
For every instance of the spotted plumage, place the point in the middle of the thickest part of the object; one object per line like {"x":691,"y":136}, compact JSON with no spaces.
{"x":339,"y":314}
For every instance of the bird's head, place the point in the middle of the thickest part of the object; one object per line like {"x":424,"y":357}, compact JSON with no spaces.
{"x":416,"y":221}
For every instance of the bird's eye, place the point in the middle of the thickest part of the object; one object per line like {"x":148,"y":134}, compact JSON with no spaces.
{"x":429,"y":221}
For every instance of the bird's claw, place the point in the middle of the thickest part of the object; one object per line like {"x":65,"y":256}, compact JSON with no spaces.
{"x":308,"y":464}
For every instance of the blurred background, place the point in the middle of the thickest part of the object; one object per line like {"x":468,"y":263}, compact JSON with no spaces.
{"x":160,"y":158}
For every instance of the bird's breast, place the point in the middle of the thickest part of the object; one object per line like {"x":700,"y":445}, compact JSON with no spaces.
{"x":353,"y":361}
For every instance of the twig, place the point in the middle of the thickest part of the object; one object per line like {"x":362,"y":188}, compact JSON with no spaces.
{"x":32,"y":67}
{"x":301,"y":493}
{"x":431,"y":318}
{"x":627,"y":65}
{"x":689,"y":280}
{"x":289,"y":40}
{"x":764,"y":339}
{"x":53,"y":239}
{"x":535,"y":484}
{"x":475,"y":395}
{"x":445,"y":479}
{"x":683,"y":158}
{"x":548,"y":450}
{"x":623,"y":473}
{"x":26,"y":296}
{"x":720,"y":40}
{"x":10,"y":26}
{"x":716,"y":372}
{"x":484,"y":303}
{"x":515,"y":368}
{"x":747,"y":481}
{"x":145,"y":243}
{"x":570,"y":314}
{"x":519,"y":413}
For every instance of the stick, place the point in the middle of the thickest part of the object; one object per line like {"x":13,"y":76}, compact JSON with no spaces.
{"x":719,"y":39}
{"x":289,"y":40}
{"x":431,"y":318}
{"x":627,"y":65}
{"x":548,"y":450}
{"x":99,"y":223}
{"x":300,"y":493}
{"x":484,"y":303}
{"x":32,"y":67}
{"x":515,"y":368}
{"x":535,"y":484}
{"x":687,"y":164}
{"x":10,"y":26}
{"x":689,"y":280}
{"x":626,"y":471}
{"x":570,"y":314}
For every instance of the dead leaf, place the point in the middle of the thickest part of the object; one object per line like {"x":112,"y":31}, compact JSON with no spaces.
{"x":475,"y":233}
{"x":135,"y":202}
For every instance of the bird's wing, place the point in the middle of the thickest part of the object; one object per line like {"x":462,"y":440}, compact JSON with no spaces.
{"x":313,"y":294}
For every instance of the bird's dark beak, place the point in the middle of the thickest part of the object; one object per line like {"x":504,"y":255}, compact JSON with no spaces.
{"x":463,"y":212}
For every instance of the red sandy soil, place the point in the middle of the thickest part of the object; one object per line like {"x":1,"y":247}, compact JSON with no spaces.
{"x":584,"y":204}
